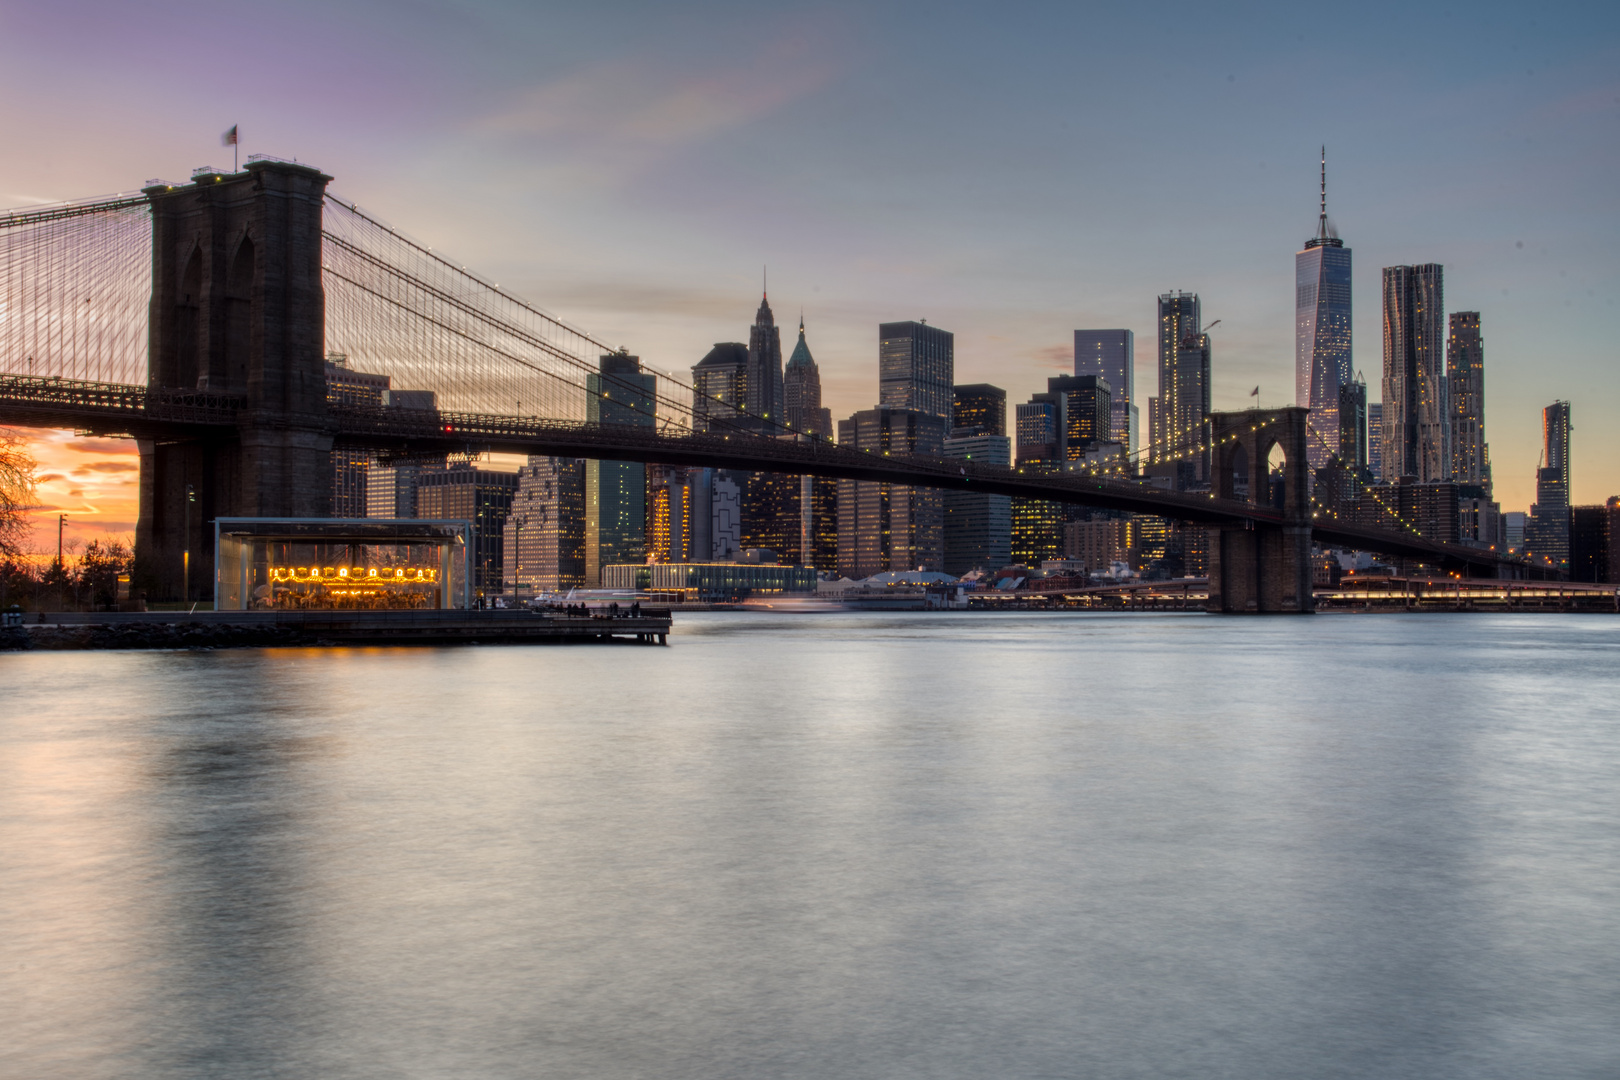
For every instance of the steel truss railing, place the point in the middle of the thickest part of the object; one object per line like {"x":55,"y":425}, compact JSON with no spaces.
{"x":100,"y":402}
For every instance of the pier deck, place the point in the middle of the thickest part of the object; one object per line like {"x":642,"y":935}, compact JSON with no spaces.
{"x":175,"y":629}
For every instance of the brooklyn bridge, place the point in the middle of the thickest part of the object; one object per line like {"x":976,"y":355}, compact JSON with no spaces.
{"x":196,"y":318}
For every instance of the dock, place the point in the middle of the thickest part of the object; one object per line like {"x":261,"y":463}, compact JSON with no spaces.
{"x":232,"y":629}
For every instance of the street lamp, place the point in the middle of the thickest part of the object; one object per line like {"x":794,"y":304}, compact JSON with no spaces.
{"x":185,"y":540}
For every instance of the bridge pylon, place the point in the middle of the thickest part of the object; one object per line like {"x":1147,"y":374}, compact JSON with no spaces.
{"x":1261,"y":567}
{"x":237,"y":309}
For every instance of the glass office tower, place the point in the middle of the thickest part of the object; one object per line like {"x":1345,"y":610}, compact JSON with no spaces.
{"x":1465,"y":376}
{"x":1184,"y":388}
{"x":1322,"y":360}
{"x":1111,"y":355}
{"x":620,"y":392}
{"x":916,"y":368}
{"x":1416,"y":428}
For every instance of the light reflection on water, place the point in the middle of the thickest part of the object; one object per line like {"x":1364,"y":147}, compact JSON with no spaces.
{"x":824,"y":846}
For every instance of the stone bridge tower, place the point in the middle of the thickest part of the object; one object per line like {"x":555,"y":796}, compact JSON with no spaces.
{"x":237,"y":310}
{"x":1264,"y":568}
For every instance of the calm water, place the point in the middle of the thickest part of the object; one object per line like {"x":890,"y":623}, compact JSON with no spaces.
{"x":882,"y":846}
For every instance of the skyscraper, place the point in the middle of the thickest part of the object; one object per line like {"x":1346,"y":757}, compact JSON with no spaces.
{"x":619,"y":392}
{"x":1039,"y":428}
{"x":1375,"y":439}
{"x":884,"y":526}
{"x":720,"y":386}
{"x":464,"y":492}
{"x":978,"y":526}
{"x":545,"y":534}
{"x":1465,"y":378}
{"x":1111,"y":355}
{"x":351,"y":466}
{"x":1088,"y":416}
{"x":764,"y":389}
{"x":916,"y":368}
{"x":1416,"y":424}
{"x":980,"y":408}
{"x":1322,"y":361}
{"x":1547,"y":530}
{"x":1184,"y":386}
{"x":671,"y":514}
{"x":810,"y":506}
{"x":1352,"y":441}
{"x":801,"y":392}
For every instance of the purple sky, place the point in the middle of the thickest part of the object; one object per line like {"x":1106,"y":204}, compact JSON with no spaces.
{"x":1008,"y":173}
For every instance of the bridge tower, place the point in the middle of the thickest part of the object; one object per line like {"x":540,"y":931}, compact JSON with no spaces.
{"x":237,"y":309}
{"x":1261,"y":567}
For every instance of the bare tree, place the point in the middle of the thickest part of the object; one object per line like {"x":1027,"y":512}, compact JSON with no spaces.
{"x":103,"y":560}
{"x":17,"y":491}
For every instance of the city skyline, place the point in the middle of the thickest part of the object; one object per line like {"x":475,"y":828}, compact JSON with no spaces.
{"x":573,"y":159}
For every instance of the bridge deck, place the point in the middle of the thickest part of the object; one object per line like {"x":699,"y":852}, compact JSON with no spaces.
{"x":118,"y":409}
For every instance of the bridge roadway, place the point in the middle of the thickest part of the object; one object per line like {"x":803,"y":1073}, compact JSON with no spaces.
{"x":167,"y":415}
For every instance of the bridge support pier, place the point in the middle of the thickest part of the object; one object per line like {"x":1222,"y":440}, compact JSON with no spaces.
{"x":1261,"y":571}
{"x":1262,"y":567}
{"x":237,"y":309}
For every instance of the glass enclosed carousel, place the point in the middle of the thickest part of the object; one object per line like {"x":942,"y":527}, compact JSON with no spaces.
{"x":377,"y":564}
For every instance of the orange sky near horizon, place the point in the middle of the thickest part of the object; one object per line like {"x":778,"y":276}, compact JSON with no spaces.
{"x":93,"y":480}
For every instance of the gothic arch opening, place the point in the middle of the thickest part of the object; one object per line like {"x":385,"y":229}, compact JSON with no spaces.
{"x":1277,"y":470}
{"x":187,"y":316}
{"x":1240,"y":473}
{"x":239,"y":316}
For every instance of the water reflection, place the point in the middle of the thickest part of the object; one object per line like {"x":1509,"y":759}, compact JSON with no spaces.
{"x":880,"y":845}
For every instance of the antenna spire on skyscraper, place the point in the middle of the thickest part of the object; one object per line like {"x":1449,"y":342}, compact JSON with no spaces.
{"x":1322,"y":225}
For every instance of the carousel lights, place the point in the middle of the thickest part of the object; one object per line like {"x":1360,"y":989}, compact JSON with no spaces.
{"x":354,"y":575}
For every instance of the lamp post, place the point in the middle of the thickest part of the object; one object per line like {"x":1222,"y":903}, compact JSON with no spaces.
{"x":185,"y":540}
{"x":517,"y":558}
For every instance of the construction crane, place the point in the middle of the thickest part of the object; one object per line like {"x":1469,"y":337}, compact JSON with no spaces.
{"x":1210,"y":327}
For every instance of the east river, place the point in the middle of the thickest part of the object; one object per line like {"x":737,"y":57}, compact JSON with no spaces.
{"x":876,"y":846}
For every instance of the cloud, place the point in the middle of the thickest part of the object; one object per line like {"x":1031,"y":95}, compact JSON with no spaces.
{"x":109,"y":467}
{"x":48,"y":477}
{"x":623,"y":114}
{"x":1062,"y":355}
{"x":101,"y":446}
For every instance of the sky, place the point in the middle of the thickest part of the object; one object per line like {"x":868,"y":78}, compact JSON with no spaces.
{"x":1008,"y":172}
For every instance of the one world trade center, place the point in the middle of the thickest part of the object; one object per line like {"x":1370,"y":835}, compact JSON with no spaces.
{"x":1321,"y":333}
